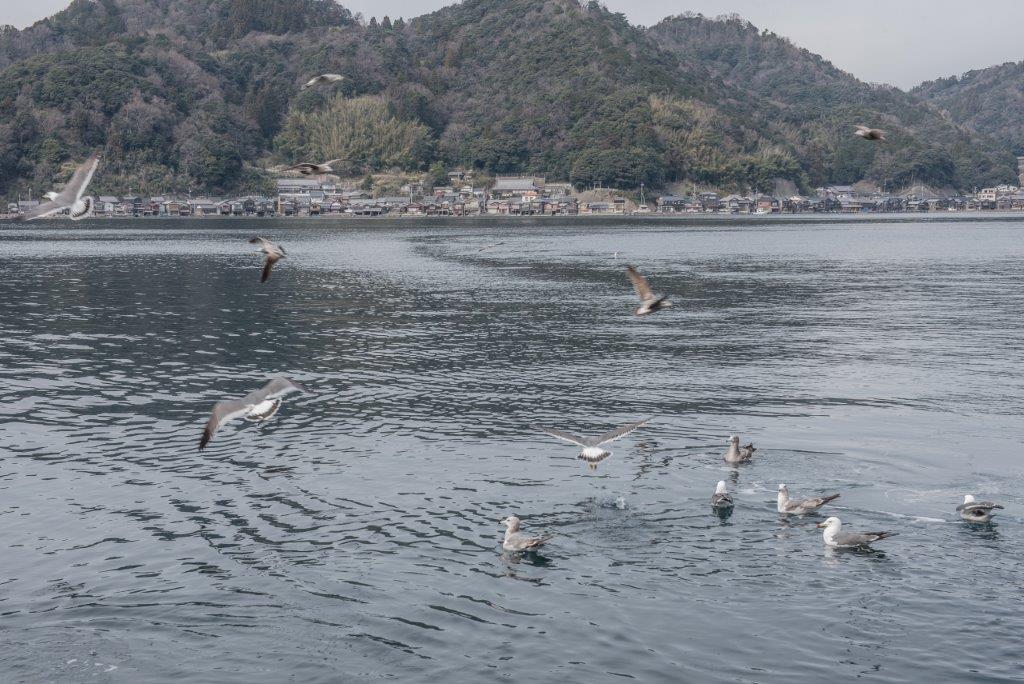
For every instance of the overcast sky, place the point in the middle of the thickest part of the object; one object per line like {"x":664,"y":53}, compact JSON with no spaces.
{"x":902,"y":42}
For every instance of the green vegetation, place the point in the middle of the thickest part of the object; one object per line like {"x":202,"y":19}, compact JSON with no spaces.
{"x":191,"y":94}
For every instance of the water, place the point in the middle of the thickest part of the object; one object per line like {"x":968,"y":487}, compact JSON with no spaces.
{"x":355,"y":536}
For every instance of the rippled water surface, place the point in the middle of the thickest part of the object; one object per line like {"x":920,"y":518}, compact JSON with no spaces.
{"x":355,"y":536}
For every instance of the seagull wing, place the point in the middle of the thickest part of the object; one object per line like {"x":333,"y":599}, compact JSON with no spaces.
{"x":272,"y":258}
{"x":311,"y":82}
{"x":278,"y":387}
{"x":223,"y":411}
{"x":863,"y":128}
{"x":643,"y":289}
{"x":262,"y":241}
{"x":618,"y":433}
{"x":983,"y":505}
{"x":572,"y":439}
{"x":43,"y":210}
{"x":76,"y":187}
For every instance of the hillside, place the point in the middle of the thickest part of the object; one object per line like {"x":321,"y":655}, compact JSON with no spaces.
{"x":988,"y":101}
{"x":203,"y":94}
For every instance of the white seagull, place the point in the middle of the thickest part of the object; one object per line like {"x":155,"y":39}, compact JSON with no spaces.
{"x":870,"y":133}
{"x":836,"y":538}
{"x":256,"y":406}
{"x":309,"y":169}
{"x":801,"y":506}
{"x":592,"y":452}
{"x":517,"y":541}
{"x":721,"y":499}
{"x":738,"y":454}
{"x":274,"y":254}
{"x":649,"y":302}
{"x":71,"y":197}
{"x":321,"y":80}
{"x":977,"y":511}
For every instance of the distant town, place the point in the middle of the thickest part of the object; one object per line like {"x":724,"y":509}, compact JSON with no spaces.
{"x":533,"y":196}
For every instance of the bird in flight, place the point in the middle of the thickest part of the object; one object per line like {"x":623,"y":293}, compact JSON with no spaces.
{"x":593,"y":453}
{"x":274,"y":254}
{"x":308,"y":169}
{"x":71,"y":197}
{"x":870,"y":133}
{"x":649,"y":302}
{"x":322,"y":79}
{"x":257,"y":406}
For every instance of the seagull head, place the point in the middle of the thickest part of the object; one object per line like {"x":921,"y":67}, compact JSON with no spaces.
{"x":511,"y":522}
{"x":783,"y":489}
{"x":968,"y":498}
{"x":832,"y":523}
{"x":720,"y":487}
{"x":735,"y":439}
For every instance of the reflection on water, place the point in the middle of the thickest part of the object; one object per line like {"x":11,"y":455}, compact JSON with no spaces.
{"x":355,"y":532}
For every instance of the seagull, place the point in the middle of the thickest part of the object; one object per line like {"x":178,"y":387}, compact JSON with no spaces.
{"x":592,"y":452}
{"x":977,"y":511}
{"x":256,"y":406}
{"x":869,"y":133}
{"x":274,"y":254}
{"x":649,"y":302}
{"x":801,"y":506}
{"x":322,"y":79}
{"x":721,"y":499}
{"x":71,"y":196}
{"x":836,"y":538}
{"x":516,"y":540}
{"x":738,"y":454}
{"x":308,"y":169}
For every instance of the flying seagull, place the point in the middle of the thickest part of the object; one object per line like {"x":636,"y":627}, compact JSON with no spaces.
{"x":518,"y":541}
{"x":308,"y":169}
{"x":738,"y":454}
{"x":321,"y":80}
{"x":256,"y":406}
{"x":836,"y":538}
{"x":592,"y":452}
{"x":870,"y":133}
{"x":977,"y":511}
{"x":274,"y":254}
{"x":71,"y":196}
{"x":801,"y":506}
{"x":649,"y":302}
{"x":721,"y":499}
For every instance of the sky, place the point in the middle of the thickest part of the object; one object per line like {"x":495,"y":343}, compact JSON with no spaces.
{"x":901,"y":42}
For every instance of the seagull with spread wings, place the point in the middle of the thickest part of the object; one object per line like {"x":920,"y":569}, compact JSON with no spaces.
{"x":977,"y":511}
{"x":274,"y":254}
{"x":309,"y":169}
{"x":592,"y":452}
{"x":257,"y":406}
{"x":322,"y":79}
{"x":71,"y":197}
{"x":649,"y":302}
{"x":870,"y":133}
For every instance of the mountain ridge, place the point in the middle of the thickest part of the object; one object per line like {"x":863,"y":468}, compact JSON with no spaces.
{"x":203,"y":94}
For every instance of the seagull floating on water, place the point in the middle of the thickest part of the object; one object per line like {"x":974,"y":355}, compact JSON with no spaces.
{"x":518,"y":541}
{"x":274,"y":254}
{"x":738,"y":454}
{"x":870,"y":133}
{"x":801,"y":506}
{"x":71,"y":197}
{"x":321,"y":80}
{"x":721,"y":499}
{"x":257,"y":406}
{"x":649,"y":302}
{"x":309,"y":169}
{"x":836,"y":538}
{"x":592,"y":452}
{"x":976,"y":511}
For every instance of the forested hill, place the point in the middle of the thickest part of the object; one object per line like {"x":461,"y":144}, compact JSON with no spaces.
{"x":203,"y":94}
{"x":988,"y":101}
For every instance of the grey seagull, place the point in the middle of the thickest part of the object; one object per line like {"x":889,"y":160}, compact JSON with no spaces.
{"x":592,"y":452}
{"x":256,"y":406}
{"x":801,"y":506}
{"x":71,"y":197}
{"x":977,"y":511}
{"x":321,"y":80}
{"x":649,"y":301}
{"x":518,"y":541}
{"x":274,"y":254}
{"x":836,"y":538}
